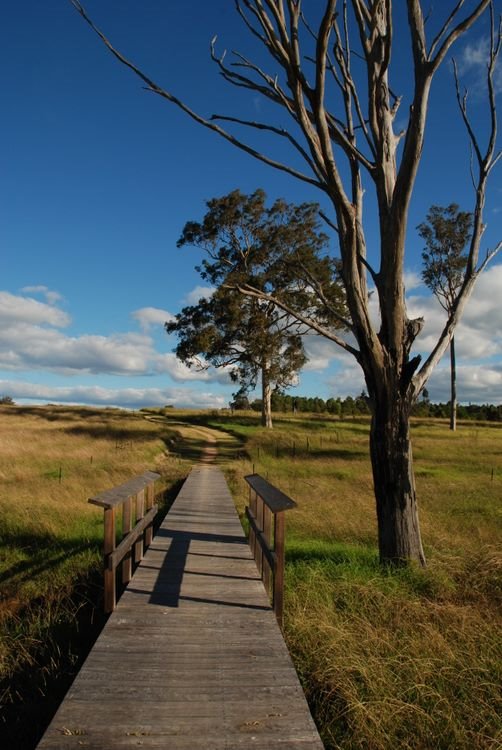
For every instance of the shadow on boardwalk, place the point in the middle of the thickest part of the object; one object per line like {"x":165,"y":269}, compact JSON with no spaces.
{"x":192,"y":657}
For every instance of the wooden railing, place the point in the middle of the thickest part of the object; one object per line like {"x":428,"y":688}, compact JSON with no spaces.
{"x":265,"y":514}
{"x":136,"y":498}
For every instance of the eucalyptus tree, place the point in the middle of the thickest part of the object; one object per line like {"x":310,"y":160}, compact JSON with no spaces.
{"x":329,"y":77}
{"x":446,"y":232}
{"x":252,"y":339}
{"x":278,"y":250}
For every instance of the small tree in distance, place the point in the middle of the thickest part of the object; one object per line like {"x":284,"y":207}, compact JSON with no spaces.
{"x":279,"y":250}
{"x":253,"y":341}
{"x":446,"y":233}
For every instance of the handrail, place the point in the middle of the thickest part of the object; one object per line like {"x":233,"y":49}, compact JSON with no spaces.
{"x":136,"y":498}
{"x":267,"y":501}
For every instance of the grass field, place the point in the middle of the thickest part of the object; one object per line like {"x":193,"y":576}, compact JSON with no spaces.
{"x":52,"y":459}
{"x":389,"y":658}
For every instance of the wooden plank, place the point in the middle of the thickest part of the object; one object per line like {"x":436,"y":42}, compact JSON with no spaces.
{"x":108,"y":548}
{"x":117,"y":495}
{"x":279,"y":534}
{"x":140,"y":512}
{"x":269,"y":554}
{"x":275,"y":499}
{"x":149,"y":503}
{"x":125,"y":545}
{"x":126,"y":528}
{"x":268,"y":569}
{"x":192,"y":656}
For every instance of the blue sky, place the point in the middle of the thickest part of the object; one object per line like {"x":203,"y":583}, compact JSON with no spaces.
{"x":98,"y":178}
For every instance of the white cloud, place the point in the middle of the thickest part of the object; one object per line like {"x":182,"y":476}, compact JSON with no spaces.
{"x":24,"y":347}
{"x":198,"y":293}
{"x":320,"y":352}
{"x":474,"y":60}
{"x":125,"y":397}
{"x":151,"y":316}
{"x":169,"y":363}
{"x":478,"y":341}
{"x":31,"y":339}
{"x":51,"y":297}
{"x":475,"y":54}
{"x":412,"y":280}
{"x":475,"y":384}
{"x":479,"y":334}
{"x":348,"y":380}
{"x":16,"y":309}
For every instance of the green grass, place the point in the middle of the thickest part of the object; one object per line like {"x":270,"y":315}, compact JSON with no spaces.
{"x":52,"y":459}
{"x":390,"y":658}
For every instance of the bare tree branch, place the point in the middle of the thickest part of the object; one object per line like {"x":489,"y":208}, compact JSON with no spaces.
{"x":272,"y":129}
{"x":455,"y":33}
{"x":311,"y":324}
{"x":154,"y":88}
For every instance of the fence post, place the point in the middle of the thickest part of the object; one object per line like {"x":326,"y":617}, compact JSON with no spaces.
{"x":258,"y":554}
{"x":108,"y":547}
{"x":267,"y":571}
{"x":126,"y":528}
{"x":149,"y":497}
{"x":140,"y":512}
{"x":252,"y":535}
{"x":279,"y":548}
{"x":265,"y":501}
{"x":131,"y":496}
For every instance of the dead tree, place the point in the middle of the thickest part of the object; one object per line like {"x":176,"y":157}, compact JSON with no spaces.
{"x":343,"y":127}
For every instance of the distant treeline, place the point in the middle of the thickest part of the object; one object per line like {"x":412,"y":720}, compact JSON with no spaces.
{"x":352,"y":407}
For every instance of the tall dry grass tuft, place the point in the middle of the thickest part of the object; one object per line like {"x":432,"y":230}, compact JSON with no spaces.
{"x":52,"y":459}
{"x":408,"y":659}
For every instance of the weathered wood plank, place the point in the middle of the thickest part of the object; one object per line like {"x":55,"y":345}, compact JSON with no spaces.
{"x":117,"y":495}
{"x":192,"y":656}
{"x":125,"y":545}
{"x":276,"y":500}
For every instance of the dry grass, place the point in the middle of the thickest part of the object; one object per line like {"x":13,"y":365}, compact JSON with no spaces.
{"x":52,"y":459}
{"x":390,"y":658}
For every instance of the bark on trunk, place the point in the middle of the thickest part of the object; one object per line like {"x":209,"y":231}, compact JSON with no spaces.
{"x":453,"y":377}
{"x":391,"y":457}
{"x":266,"y":400}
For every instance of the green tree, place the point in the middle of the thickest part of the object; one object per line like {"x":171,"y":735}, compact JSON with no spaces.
{"x":240,"y":401}
{"x":253,"y":339}
{"x":330,"y":79}
{"x":446,"y":232}
{"x":245,"y":242}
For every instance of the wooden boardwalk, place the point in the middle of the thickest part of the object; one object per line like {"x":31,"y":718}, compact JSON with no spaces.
{"x":192,"y":657}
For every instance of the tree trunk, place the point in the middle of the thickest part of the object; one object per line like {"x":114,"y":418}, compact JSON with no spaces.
{"x":392,"y":462}
{"x":266,"y":399}
{"x":453,"y":378}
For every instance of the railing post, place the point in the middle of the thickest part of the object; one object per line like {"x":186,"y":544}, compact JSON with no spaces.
{"x":131,"y":496}
{"x":140,"y":512}
{"x":267,"y":501}
{"x":252,"y":535}
{"x":279,"y":548}
{"x":126,"y":528}
{"x":149,"y":498}
{"x":267,"y":573}
{"x":109,"y":546}
{"x":258,"y":554}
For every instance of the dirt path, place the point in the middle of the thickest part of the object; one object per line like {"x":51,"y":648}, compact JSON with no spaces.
{"x":203,"y":445}
{"x":206,"y":437}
